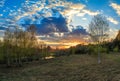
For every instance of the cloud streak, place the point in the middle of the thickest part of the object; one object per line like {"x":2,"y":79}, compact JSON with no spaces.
{"x":112,"y":20}
{"x":116,"y":7}
{"x":90,"y":12}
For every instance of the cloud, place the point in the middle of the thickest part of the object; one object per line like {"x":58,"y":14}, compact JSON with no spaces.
{"x":77,"y":10}
{"x":79,"y":30}
{"x":38,"y":6}
{"x":116,"y":7}
{"x":77,"y":6}
{"x":90,"y":12}
{"x":81,"y":14}
{"x":73,"y":9}
{"x":38,"y":9}
{"x":49,"y":25}
{"x":34,"y":10}
{"x":65,"y":8}
{"x":85,"y":11}
{"x":112,"y":20}
{"x":84,"y":19}
{"x":71,"y":12}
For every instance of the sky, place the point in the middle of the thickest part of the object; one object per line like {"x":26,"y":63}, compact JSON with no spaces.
{"x":59,"y":20}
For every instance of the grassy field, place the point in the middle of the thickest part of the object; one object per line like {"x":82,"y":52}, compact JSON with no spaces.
{"x":66,"y":68}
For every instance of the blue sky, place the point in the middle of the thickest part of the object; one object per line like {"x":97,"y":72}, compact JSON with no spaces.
{"x":76,"y":12}
{"x":12,"y":6}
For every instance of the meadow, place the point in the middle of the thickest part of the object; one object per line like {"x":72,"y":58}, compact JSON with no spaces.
{"x":66,"y":68}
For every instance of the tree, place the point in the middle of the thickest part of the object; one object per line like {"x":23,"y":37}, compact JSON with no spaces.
{"x":98,"y":29}
{"x":32,"y":35}
{"x":22,"y":45}
{"x":7,"y":46}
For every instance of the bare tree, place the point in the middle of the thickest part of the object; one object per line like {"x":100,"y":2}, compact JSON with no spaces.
{"x":98,"y":29}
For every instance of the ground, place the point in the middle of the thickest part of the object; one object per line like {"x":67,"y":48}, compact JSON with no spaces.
{"x":66,"y":68}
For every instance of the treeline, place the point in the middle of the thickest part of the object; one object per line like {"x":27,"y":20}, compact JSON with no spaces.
{"x":20,"y":46}
{"x":104,"y":47}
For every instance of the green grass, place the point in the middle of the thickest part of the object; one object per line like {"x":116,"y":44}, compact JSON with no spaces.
{"x":67,"y":68}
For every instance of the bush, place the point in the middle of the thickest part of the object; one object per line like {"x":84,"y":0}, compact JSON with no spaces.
{"x":116,"y":49}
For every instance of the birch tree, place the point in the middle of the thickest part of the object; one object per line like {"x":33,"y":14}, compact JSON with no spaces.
{"x":98,"y":29}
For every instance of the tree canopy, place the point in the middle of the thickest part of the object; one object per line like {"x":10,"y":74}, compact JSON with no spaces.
{"x":98,"y":28}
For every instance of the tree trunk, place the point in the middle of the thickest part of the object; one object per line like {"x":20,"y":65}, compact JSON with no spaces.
{"x":99,"y":59}
{"x":8,"y":59}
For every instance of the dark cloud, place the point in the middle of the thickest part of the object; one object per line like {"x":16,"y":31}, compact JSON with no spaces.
{"x":79,"y":30}
{"x":52,"y":24}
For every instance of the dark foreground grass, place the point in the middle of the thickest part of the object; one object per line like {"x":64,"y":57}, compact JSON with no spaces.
{"x":67,"y":68}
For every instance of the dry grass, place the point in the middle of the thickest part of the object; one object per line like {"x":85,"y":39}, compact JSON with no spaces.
{"x":67,"y":68}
